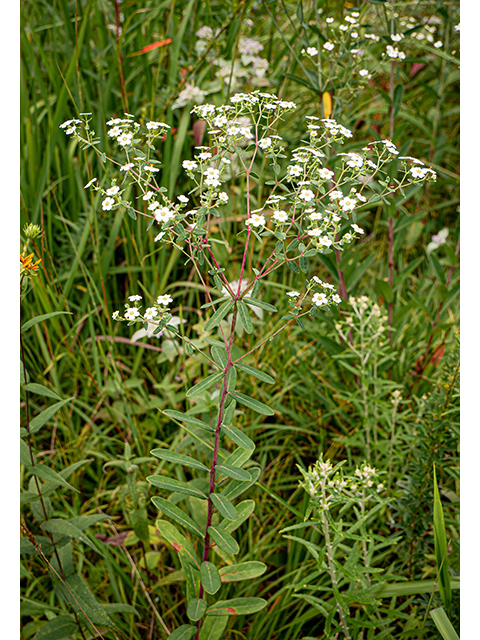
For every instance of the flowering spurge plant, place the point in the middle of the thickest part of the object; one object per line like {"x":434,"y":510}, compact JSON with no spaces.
{"x":340,"y":507}
{"x":309,"y":207}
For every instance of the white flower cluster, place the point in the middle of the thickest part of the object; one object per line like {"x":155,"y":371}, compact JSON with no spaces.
{"x":158,"y":314}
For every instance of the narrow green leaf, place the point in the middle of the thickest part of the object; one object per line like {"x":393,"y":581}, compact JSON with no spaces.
{"x":179,"y":542}
{"x":220,"y":356}
{"x":65,"y":528}
{"x":205,"y":384}
{"x":219,"y":314}
{"x":443,"y":624}
{"x":57,"y":628}
{"x":245,"y":317}
{"x":196,"y":608}
{"x":411,"y":588}
{"x":236,"y":607}
{"x":245,"y":510}
{"x":224,"y":506}
{"x":238,"y":457}
{"x":188,"y":419}
{"x":170,"y":484}
{"x":217,"y":301}
{"x":174,"y":512}
{"x":45,"y":473}
{"x":210,"y":577}
{"x":397,"y":99}
{"x":38,"y":319}
{"x":40,"y":390}
{"x":223,"y":539}
{"x":237,"y":487}
{"x":260,"y":303}
{"x":238,"y":437}
{"x":242,"y":571}
{"x":440,"y":540}
{"x":233,"y":472}
{"x":213,"y":628}
{"x":74,"y":590}
{"x":215,"y":343}
{"x":231,"y":379}
{"x":185,"y":632}
{"x":254,"y":404}
{"x":255,"y":372}
{"x":37,"y":423}
{"x":178,"y":458}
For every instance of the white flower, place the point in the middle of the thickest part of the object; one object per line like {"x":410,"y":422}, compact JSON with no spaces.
{"x":396,"y":37}
{"x":438,"y":44}
{"x":293,"y":294}
{"x":107,"y":204}
{"x":329,"y":46}
{"x":89,"y":184}
{"x":356,"y":228}
{"x":265,"y":143}
{"x":131,"y":313}
{"x":249,"y":47}
{"x":163,"y":214}
{"x":314,"y":232}
{"x":354,"y":161}
{"x":329,"y":20}
{"x":211,"y":173}
{"x":223,"y":197}
{"x":183,"y":199}
{"x":306,"y":195}
{"x":148,"y":195}
{"x":392,"y":52}
{"x":212,"y":182}
{"x":325,"y":241}
{"x":67,"y":123}
{"x":316,"y":215}
{"x":205,"y":32}
{"x":165,"y":300}
{"x":334,"y":195}
{"x":127,"y":167}
{"x":125,"y":139}
{"x":364,"y":73}
{"x":190,"y":92}
{"x":159,"y":236}
{"x":205,"y":155}
{"x":152,"y":125}
{"x":134,"y":298}
{"x":150,"y":313}
{"x":153,"y":205}
{"x":437,"y":240}
{"x":115,"y":315}
{"x":256,"y":220}
{"x":347,"y":204}
{"x":280,"y":216}
{"x":417,"y":172}
{"x":295,"y":170}
{"x":151,"y":168}
{"x":336,"y":298}
{"x":115,"y":132}
{"x":326,"y":174}
{"x":312,"y":51}
{"x":220,"y":121}
{"x":457,"y":27}
{"x":189,"y":165}
{"x":319,"y":299}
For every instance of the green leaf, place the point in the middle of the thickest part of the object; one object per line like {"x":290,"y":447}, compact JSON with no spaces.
{"x":237,"y":487}
{"x":231,"y":379}
{"x":242,"y":571}
{"x":181,"y":545}
{"x":210,"y":577}
{"x":384,"y":289}
{"x":245,"y":510}
{"x":196,"y":608}
{"x":255,"y":372}
{"x":174,"y":512}
{"x":220,"y":356}
{"x":74,"y":590}
{"x":236,"y":607}
{"x":40,"y":390}
{"x":238,"y":437}
{"x":66,"y":528}
{"x":118,"y":607}
{"x":45,"y":473}
{"x":185,"y":632}
{"x":205,"y":384}
{"x":397,"y":99}
{"x":233,"y":472}
{"x":170,"y":484}
{"x":440,"y":540}
{"x":37,"y":423}
{"x":178,"y":458}
{"x":217,"y":301}
{"x":219,"y":314}
{"x":254,"y":404}
{"x":223,"y":539}
{"x":443,"y":624}
{"x":224,"y":506}
{"x":260,"y":303}
{"x":213,"y":628}
{"x":437,"y":267}
{"x":57,"y":628}
{"x":245,"y":317}
{"x":188,"y":419}
{"x":38,"y":319}
{"x":395,"y":589}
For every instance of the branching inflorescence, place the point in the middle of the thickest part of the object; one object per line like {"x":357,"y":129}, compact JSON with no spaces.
{"x":310,"y":207}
